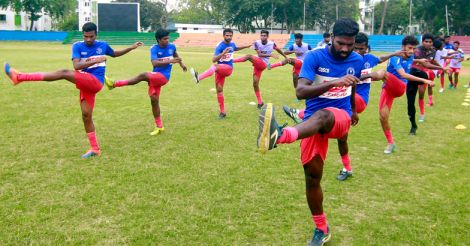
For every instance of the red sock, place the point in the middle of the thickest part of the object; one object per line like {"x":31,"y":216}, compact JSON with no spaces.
{"x":30,"y":77}
{"x":421,"y":105}
{"x":207,"y":73}
{"x":302,"y":114}
{"x":93,"y":141}
{"x":320,"y":222}
{"x":277,"y":64}
{"x":442,"y":80}
{"x":430,"y":99}
{"x":289,"y":135}
{"x":158,"y":122}
{"x":388,"y":135}
{"x":220,"y":99}
{"x":120,"y":83}
{"x":346,"y":162}
{"x":240,"y":59}
{"x":258,"y":96}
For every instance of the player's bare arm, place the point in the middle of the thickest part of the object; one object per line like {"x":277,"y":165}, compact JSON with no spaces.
{"x":79,"y":64}
{"x":118,"y":53}
{"x":175,"y":55}
{"x":384,"y":58}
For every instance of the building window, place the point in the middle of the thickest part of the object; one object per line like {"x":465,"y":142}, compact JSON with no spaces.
{"x":17,"y":20}
{"x":87,"y":4}
{"x":185,"y":28}
{"x":87,"y":19}
{"x":195,"y":29}
{"x":3,"y":18}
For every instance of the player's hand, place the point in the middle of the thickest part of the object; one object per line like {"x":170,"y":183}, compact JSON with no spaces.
{"x":275,"y":56}
{"x":176,"y":60}
{"x":137,"y":44}
{"x":227,"y":50}
{"x":100,"y":59}
{"x":347,"y":80}
{"x":430,"y":83}
{"x":354,"y":118}
{"x":399,"y":53}
{"x":448,"y":70}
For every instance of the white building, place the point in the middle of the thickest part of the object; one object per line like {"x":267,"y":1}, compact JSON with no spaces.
{"x":10,"y":20}
{"x":198,"y":28}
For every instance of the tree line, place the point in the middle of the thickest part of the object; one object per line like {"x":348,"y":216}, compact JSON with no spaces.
{"x":390,"y":16}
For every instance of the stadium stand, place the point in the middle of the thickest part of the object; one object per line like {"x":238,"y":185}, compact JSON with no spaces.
{"x":119,"y":38}
{"x":212,"y":39}
{"x":464,"y":43}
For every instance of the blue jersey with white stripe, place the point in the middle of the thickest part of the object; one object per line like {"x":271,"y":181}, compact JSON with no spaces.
{"x":320,"y":67}
{"x":84,"y":52}
{"x":363,"y":87}
{"x":396,"y":63}
{"x":227,"y":58}
{"x":163,"y":54}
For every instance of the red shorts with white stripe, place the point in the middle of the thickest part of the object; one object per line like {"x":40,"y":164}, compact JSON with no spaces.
{"x":318,"y":143}
{"x":258,"y":66}
{"x":156,"y":81}
{"x":88,"y":85}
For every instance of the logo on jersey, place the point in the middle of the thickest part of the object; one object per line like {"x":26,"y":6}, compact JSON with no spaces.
{"x":323,"y":70}
{"x":160,"y":53}
{"x":350,"y":71}
{"x":366,"y":65}
{"x":84,"y":53}
{"x":99,"y":51}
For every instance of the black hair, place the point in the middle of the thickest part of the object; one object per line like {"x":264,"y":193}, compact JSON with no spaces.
{"x":409,"y":40}
{"x":345,"y":27}
{"x":427,"y":36}
{"x":456,"y":42}
{"x":265,"y":31}
{"x":326,"y":35}
{"x":89,"y":27}
{"x":437,"y":43}
{"x":446,"y":36}
{"x":226,"y":30}
{"x":298,"y":35}
{"x":361,"y":38}
{"x":160,"y":33}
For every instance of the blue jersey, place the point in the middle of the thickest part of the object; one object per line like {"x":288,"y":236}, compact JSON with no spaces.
{"x":84,"y":52}
{"x":396,"y":63}
{"x":319,"y":67}
{"x":227,"y":58}
{"x":300,"y":51}
{"x":163,"y":54}
{"x":449,"y":46}
{"x":363,"y":87}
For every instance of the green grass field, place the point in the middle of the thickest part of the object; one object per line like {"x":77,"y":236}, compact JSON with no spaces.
{"x":202,"y":181}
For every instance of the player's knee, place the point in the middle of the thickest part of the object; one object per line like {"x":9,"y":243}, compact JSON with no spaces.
{"x":86,"y":116}
{"x":154,"y":99}
{"x":65,"y":72}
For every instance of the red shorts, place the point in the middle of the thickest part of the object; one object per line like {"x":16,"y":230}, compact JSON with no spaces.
{"x":455,"y":70}
{"x":360,"y":104}
{"x":156,"y":81}
{"x":393,"y":87}
{"x":429,"y":72}
{"x":318,"y":143}
{"x":223,"y":71}
{"x":258,"y":66}
{"x":88,"y":85}
{"x":297,"y":67}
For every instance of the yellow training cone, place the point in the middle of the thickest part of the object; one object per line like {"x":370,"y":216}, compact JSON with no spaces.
{"x":460,"y":127}
{"x":465,"y":104}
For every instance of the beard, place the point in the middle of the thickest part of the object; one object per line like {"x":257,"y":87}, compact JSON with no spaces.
{"x":338,"y":54}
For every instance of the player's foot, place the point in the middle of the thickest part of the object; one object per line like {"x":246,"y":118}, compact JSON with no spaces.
{"x":157,"y":131}
{"x":269,"y":129}
{"x":389,"y":149}
{"x":293,"y":113}
{"x":441,"y":90}
{"x":467,"y":86}
{"x":195,"y":75}
{"x":319,"y":237}
{"x":430,"y":104}
{"x":450,"y":86}
{"x":343,"y":175}
{"x":413,"y":131}
{"x":421,"y":118}
{"x":222,"y":115}
{"x":90,"y":153}
{"x":260,"y":105}
{"x":109,"y":83}
{"x":269,"y":66}
{"x":11,"y":73}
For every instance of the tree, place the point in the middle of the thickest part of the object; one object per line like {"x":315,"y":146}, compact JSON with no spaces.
{"x":382,"y":19}
{"x":323,"y":13}
{"x":394,"y":21}
{"x":34,"y":8}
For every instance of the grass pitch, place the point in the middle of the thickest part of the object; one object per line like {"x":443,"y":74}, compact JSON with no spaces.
{"x":202,"y":182}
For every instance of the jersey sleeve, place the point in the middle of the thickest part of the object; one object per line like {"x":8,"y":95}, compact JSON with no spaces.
{"x":218,"y":50}
{"x":395,"y":63}
{"x":375,"y":61}
{"x":153,"y":53}
{"x":75,"y":52}
{"x":309,"y":67}
{"x":255,"y":46}
{"x":109,"y":50}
